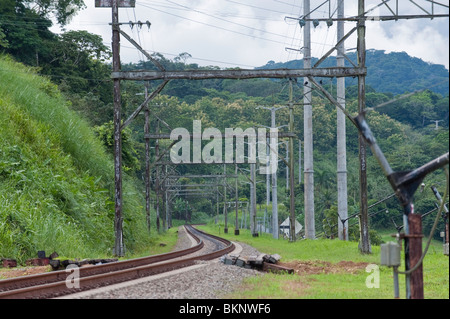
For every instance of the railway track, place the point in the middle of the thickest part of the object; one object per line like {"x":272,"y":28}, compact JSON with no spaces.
{"x":59,"y":283}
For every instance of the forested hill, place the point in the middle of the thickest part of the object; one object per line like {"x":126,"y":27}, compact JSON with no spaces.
{"x":394,"y":72}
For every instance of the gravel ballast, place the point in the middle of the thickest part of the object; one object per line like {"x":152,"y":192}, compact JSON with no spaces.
{"x":205,"y":280}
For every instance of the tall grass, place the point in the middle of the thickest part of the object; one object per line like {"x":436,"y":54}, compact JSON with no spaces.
{"x":56,"y":179}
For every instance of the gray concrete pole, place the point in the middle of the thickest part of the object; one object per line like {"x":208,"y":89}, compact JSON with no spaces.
{"x":299,"y":161}
{"x":225,"y":212}
{"x":253,"y":229}
{"x":310,"y":232}
{"x":236,"y":198}
{"x":275,"y":230}
{"x":364,"y":244}
{"x":291,"y":169}
{"x":341,"y":134}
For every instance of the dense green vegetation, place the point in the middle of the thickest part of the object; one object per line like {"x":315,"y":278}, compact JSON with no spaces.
{"x":56,"y":178}
{"x":56,"y":136}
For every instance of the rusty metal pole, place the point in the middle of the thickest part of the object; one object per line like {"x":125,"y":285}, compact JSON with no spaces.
{"x":364,"y":247}
{"x":415,"y":253}
{"x":118,"y":219}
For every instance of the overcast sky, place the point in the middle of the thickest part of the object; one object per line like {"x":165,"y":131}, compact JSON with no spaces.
{"x":249,"y":33}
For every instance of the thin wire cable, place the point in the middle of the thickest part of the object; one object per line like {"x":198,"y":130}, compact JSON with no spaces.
{"x":213,"y":26}
{"x":227,"y":21}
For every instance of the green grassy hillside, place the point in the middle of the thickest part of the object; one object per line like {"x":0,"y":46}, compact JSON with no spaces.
{"x":56,"y":179}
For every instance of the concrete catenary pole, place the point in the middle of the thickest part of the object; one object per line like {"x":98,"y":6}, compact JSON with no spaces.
{"x":364,"y":244}
{"x":236,"y":198}
{"x":225,"y":212}
{"x":253,"y":229}
{"x":275,"y":230}
{"x":341,"y":133}
{"x":310,"y":232}
{"x":291,"y":169}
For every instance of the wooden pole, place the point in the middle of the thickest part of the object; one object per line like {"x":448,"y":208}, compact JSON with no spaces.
{"x":118,"y":219}
{"x":147,"y":161}
{"x":157,"y":186}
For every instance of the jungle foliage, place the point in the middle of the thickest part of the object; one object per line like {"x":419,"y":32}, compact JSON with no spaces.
{"x":56,"y":132}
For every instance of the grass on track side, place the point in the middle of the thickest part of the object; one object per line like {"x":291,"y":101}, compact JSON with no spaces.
{"x":340,"y":285}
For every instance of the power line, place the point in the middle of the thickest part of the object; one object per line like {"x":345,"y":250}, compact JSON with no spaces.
{"x":213,"y":26}
{"x":227,"y":21}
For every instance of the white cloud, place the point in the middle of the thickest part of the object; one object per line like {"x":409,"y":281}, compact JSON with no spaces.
{"x":253,"y":32}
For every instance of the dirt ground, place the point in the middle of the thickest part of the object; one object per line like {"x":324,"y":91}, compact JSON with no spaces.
{"x":300,"y":267}
{"x":323,"y":267}
{"x":6,"y":273}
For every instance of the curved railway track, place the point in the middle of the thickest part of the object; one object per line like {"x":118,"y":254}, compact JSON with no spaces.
{"x":55,"y":283}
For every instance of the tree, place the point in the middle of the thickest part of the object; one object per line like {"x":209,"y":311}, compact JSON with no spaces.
{"x":63,"y":10}
{"x":78,"y":59}
{"x":105,"y":133}
{"x":3,"y":41}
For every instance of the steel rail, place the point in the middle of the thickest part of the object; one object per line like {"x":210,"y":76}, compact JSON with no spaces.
{"x":54,"y":276}
{"x":54,"y":284}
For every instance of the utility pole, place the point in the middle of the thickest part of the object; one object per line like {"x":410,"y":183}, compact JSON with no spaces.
{"x":166,"y":198}
{"x":253,"y":229}
{"x":299,"y":161}
{"x":217,"y":203}
{"x":274,"y":175}
{"x":236,"y":227}
{"x":364,"y":244}
{"x":288,"y":150}
{"x":275,"y":230}
{"x":225,"y":213}
{"x":268,"y":180}
{"x":341,"y":132}
{"x":291,"y":167}
{"x":310,"y":232}
{"x":157,"y":186}
{"x":147,"y":159}
{"x":118,"y":219}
